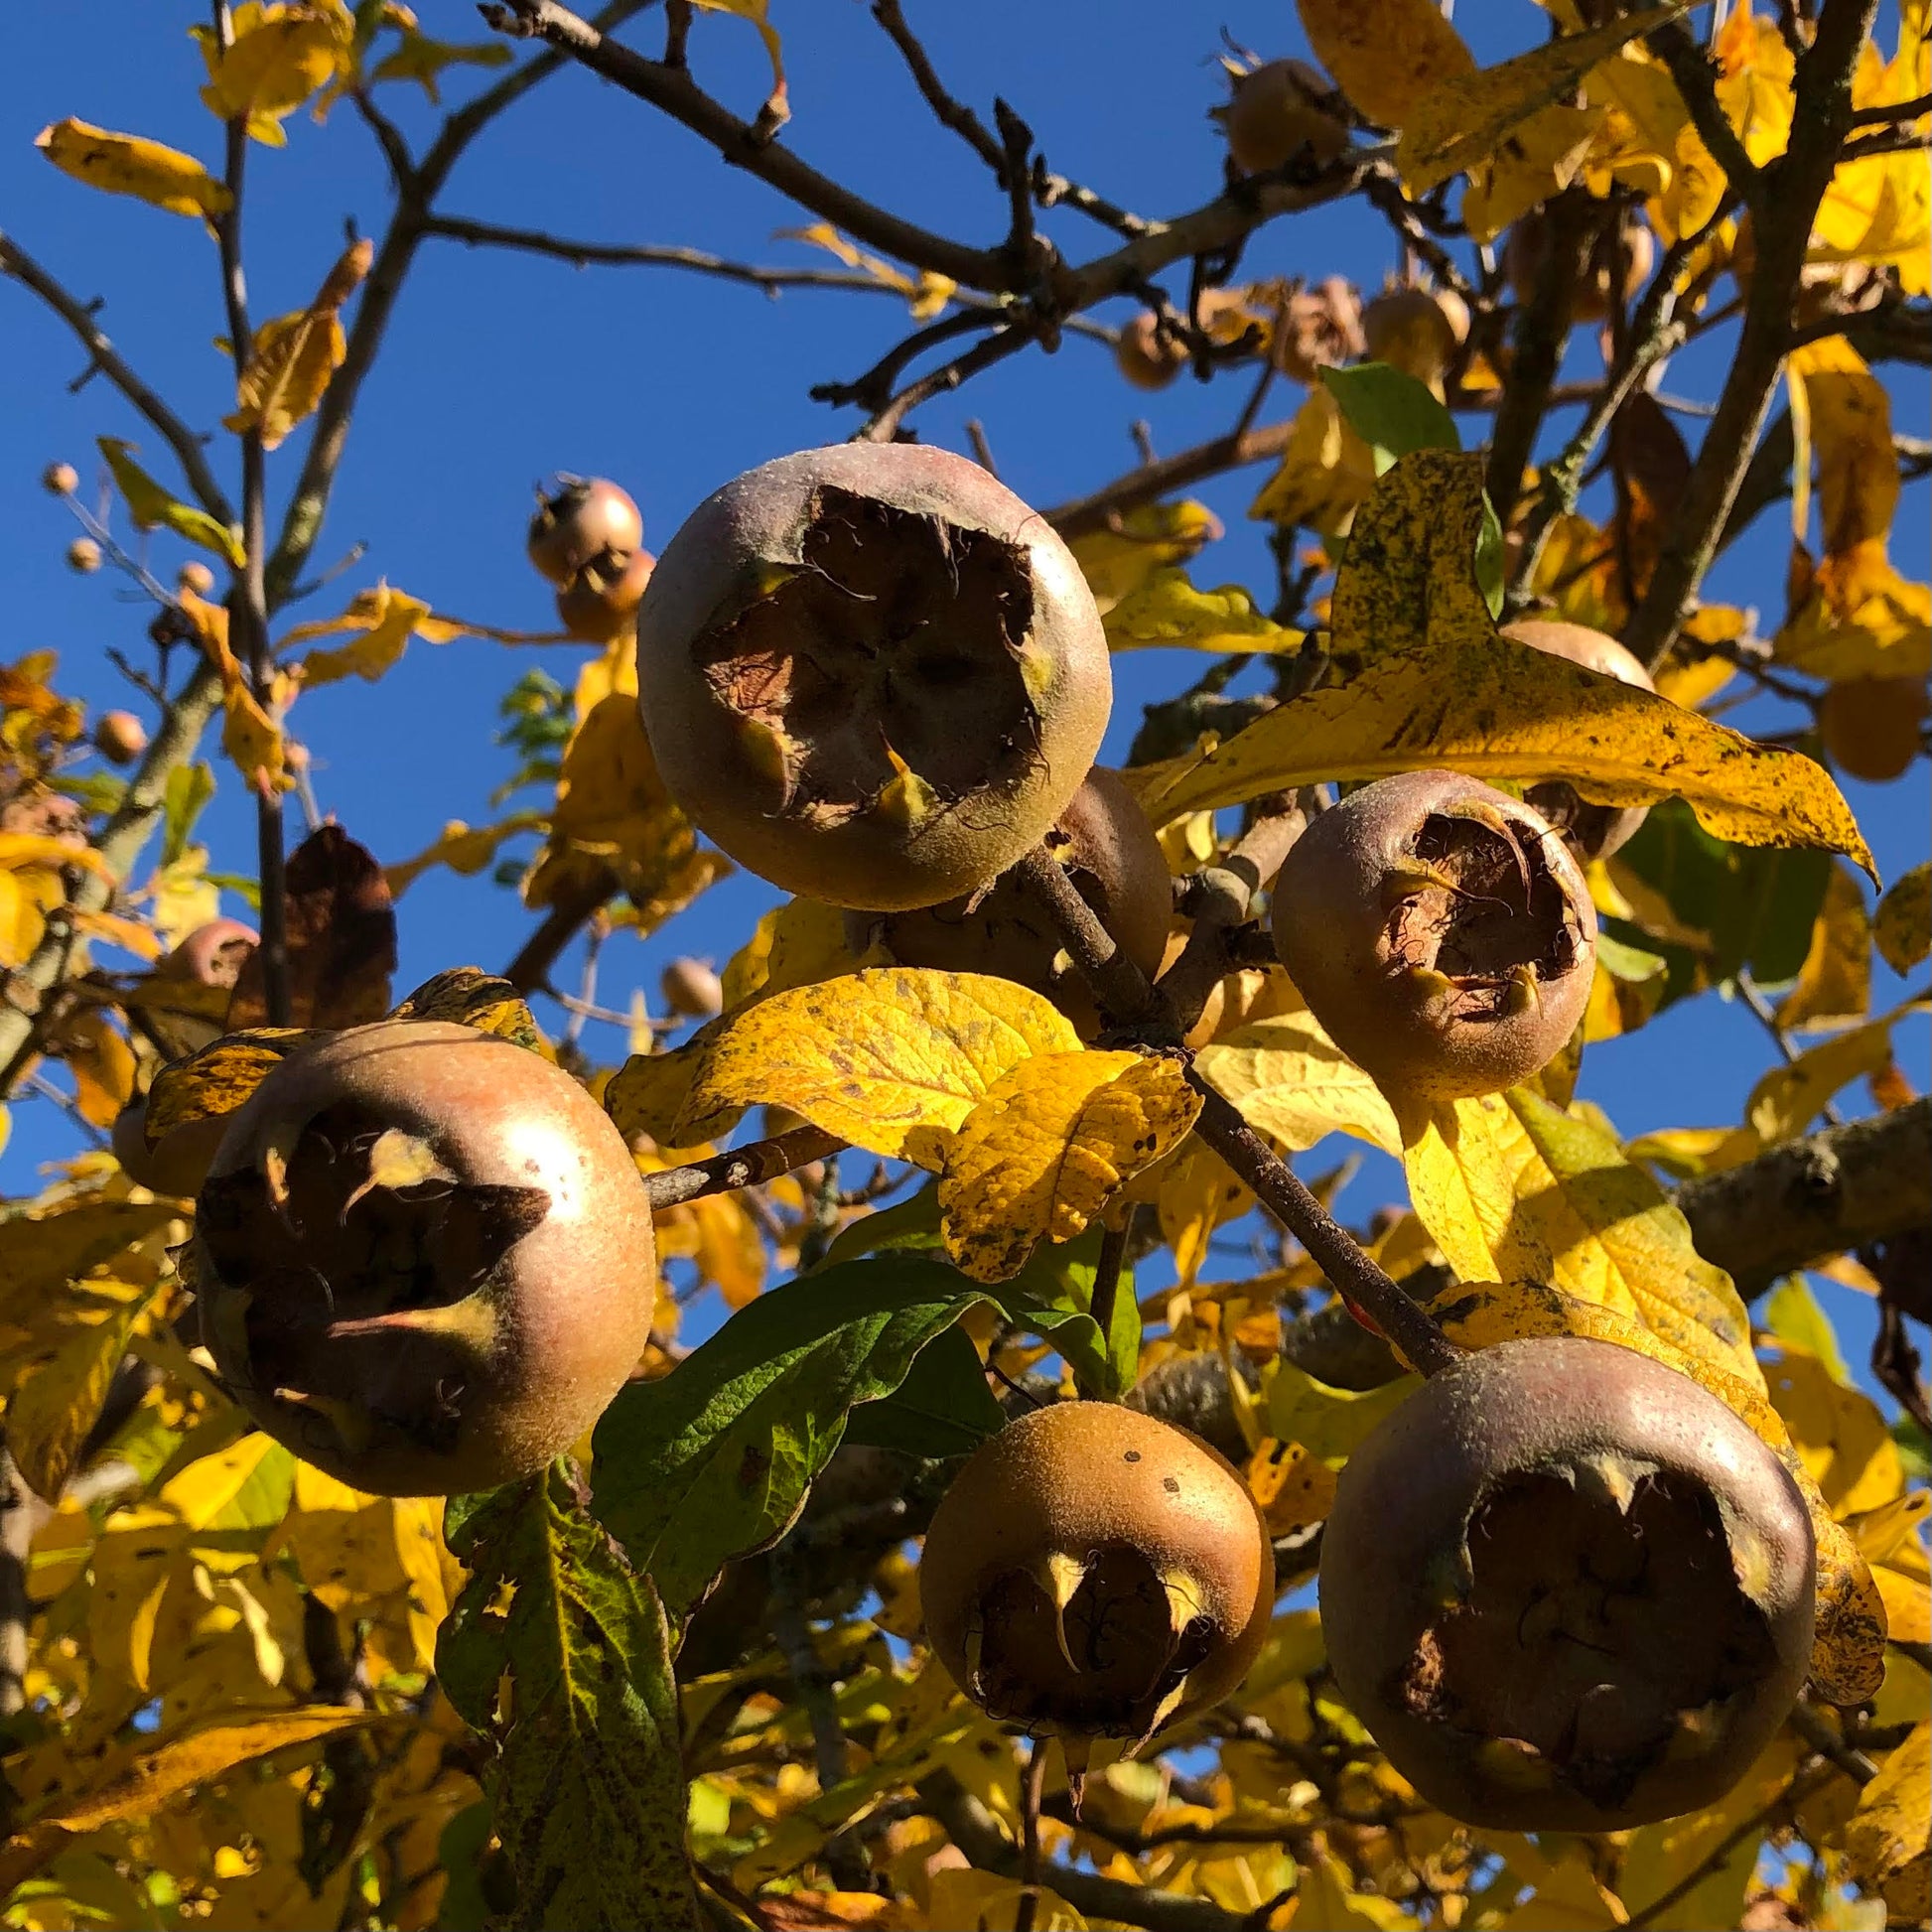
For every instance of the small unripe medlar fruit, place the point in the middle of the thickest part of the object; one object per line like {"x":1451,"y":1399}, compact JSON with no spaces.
{"x":1148,"y":358}
{"x":587,"y":518}
{"x":195,"y":578}
{"x":61,"y":479}
{"x":213,"y":954}
{"x":1093,"y":1573}
{"x":1566,"y":1589}
{"x":1440,"y":932}
{"x":1276,"y":113}
{"x":1110,"y":852}
{"x":1417,"y":329}
{"x":120,"y":737}
{"x":691,"y":987}
{"x":1590,"y":298}
{"x":1593,"y":831}
{"x":1871,"y":725}
{"x":601,"y":602}
{"x":425,"y":1258}
{"x":872,"y":674}
{"x":84,"y":555}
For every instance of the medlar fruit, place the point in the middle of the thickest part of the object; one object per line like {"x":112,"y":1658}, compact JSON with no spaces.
{"x":1417,"y":329}
{"x":84,"y":555}
{"x":120,"y":737}
{"x":1093,"y":1572}
{"x":60,"y":480}
{"x":1148,"y":358}
{"x":1110,"y":852}
{"x":1871,"y":725}
{"x":1276,"y":112}
{"x":1593,"y":831}
{"x":1318,"y":329}
{"x":176,"y":1164}
{"x":1566,"y":1589}
{"x":588,"y":518}
{"x":1440,"y":932}
{"x":692,"y":988}
{"x":872,"y":674}
{"x":195,"y":578}
{"x":1591,"y":295}
{"x":601,"y":602}
{"x":425,"y":1258}
{"x":213,"y":954}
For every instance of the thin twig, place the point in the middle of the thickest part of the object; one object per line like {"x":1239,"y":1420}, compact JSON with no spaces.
{"x":950,"y":110}
{"x":883,"y":425}
{"x":1155,"y":478}
{"x":1697,"y":82}
{"x":744,"y":1166}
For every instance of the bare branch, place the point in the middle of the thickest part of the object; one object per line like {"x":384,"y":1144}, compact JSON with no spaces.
{"x":102,"y":355}
{"x":884,"y":425}
{"x":1697,"y":82}
{"x":744,"y":1166}
{"x":1153,"y":480}
{"x":951,"y":111}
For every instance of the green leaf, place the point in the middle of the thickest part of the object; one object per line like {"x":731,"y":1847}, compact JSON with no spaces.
{"x":188,"y":788}
{"x":151,"y":507}
{"x":1491,"y":561}
{"x":1391,"y":411}
{"x":715,"y":1459}
{"x":588,"y":1790}
{"x":912,"y":1223}
{"x":1625,"y":961}
{"x":942,"y":1408}
{"x":1052,"y":1296}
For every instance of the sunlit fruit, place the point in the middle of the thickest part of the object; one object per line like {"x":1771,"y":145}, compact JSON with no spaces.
{"x":1417,"y":329}
{"x":120,"y":737}
{"x":84,"y":555}
{"x":601,"y":602}
{"x":61,"y":479}
{"x":1093,"y":1572}
{"x":586,"y":518}
{"x":1274,"y":113}
{"x":1440,"y":932}
{"x":424,"y":1258}
{"x":1148,"y":357}
{"x":1566,"y":1589}
{"x":692,"y":988}
{"x":872,"y":674}
{"x":195,"y":578}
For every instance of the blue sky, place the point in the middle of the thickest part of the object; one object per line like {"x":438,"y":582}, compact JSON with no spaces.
{"x":499,"y":369}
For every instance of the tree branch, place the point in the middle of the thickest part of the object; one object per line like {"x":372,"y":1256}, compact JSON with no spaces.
{"x":951,"y":111}
{"x":1794,"y":187}
{"x":187,"y":446}
{"x":1691,"y":69}
{"x":744,"y":1166}
{"x":1153,"y":480}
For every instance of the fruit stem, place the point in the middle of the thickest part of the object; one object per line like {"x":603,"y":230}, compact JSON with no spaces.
{"x":1028,"y":1906}
{"x":1106,"y":1287}
{"x":1127,"y":1001}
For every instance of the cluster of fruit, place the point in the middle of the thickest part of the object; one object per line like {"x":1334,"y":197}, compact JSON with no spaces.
{"x":1562,"y":1585}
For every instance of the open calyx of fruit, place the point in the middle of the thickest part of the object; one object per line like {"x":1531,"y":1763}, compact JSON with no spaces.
{"x":1563,"y":1586}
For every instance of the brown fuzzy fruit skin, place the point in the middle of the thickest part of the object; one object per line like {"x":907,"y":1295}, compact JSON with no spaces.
{"x":213,"y":954}
{"x":448,"y":1334}
{"x":1134,"y":1500}
{"x":1871,"y":725}
{"x":1148,"y":358}
{"x":837,"y":610}
{"x":1566,"y":1589}
{"x":588,"y":518}
{"x":120,"y":737}
{"x":601,"y":602}
{"x":1109,"y":851}
{"x":1274,"y":115}
{"x":1438,"y":994}
{"x":1593,"y":831}
{"x":176,"y":1164}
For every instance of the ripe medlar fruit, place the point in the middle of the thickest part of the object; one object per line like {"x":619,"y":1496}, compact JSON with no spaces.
{"x":872,"y":674}
{"x":1093,"y":1572}
{"x":1591,"y":296}
{"x":1276,"y":112}
{"x":1440,"y":932}
{"x":1110,"y":852}
{"x":1871,"y":725}
{"x":1318,"y":329}
{"x":120,"y":737}
{"x":1148,"y":358}
{"x":1593,"y":831}
{"x":601,"y":602}
{"x":425,"y":1258}
{"x":1566,"y":1589}
{"x":1417,"y":329}
{"x":587,"y":518}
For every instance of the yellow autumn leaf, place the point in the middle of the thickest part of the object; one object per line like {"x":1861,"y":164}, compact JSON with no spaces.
{"x":464,"y":849}
{"x":277,"y":58}
{"x":1294,"y":1488}
{"x":249,"y":735}
{"x":1168,"y":611}
{"x":1844,"y":1440}
{"x":1464,"y":117}
{"x":1048,"y":1147}
{"x":1513,"y":1188}
{"x":57,"y":1385}
{"x":1847,"y":1657}
{"x":991,"y":1904}
{"x":20,"y":851}
{"x":382,"y":620}
{"x":776,"y":111}
{"x":1540,"y":157}
{"x":927,"y":293}
{"x":422,"y":60}
{"x":1193,"y":1191}
{"x":1648,"y":143}
{"x":1294,"y":1085}
{"x":1423,"y":678}
{"x":891,"y":1058}
{"x":217,"y":1079}
{"x":1835,"y":980}
{"x":1387,"y":55}
{"x":794,"y":944}
{"x":1119,"y":558}
{"x":152,"y":507}
{"x":126,"y":164}
{"x":1325,"y":474}
{"x":1326,"y":1893}
{"x":469,"y":996}
{"x":1788,"y":1098}
{"x":1902,"y":927}
{"x":1886,"y":1841}
{"x":294,"y":356}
